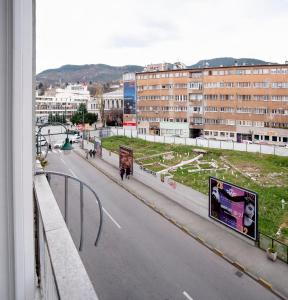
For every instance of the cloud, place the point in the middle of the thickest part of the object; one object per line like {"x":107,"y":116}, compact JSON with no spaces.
{"x":148,"y":32}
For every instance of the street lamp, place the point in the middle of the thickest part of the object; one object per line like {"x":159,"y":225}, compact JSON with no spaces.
{"x":83,"y":128}
{"x":67,"y":145}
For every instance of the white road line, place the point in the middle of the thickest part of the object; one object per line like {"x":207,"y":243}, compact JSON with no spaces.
{"x":72,"y":173}
{"x":64,"y":162}
{"x":106,"y":212}
{"x":187,"y":295}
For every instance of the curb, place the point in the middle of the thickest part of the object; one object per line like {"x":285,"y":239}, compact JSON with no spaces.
{"x":236,"y":264}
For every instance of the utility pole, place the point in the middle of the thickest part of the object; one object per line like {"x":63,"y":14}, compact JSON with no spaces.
{"x":83,"y":132}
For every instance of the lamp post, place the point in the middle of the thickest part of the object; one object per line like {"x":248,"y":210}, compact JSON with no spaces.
{"x":83,"y":129}
{"x":67,"y":145}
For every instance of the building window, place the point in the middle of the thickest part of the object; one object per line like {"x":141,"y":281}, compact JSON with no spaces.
{"x":274,"y":138}
{"x":266,"y":137}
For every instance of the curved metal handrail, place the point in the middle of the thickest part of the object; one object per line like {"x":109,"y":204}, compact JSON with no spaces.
{"x":49,"y":173}
{"x":39,"y":134}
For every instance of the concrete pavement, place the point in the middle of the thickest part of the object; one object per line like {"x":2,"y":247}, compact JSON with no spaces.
{"x":180,"y":211}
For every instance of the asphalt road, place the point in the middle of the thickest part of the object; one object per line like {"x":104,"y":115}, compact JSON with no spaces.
{"x":142,"y":256}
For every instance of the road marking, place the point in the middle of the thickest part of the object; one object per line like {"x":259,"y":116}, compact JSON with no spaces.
{"x":106,"y":212}
{"x":187,"y":295}
{"x":64,"y":162}
{"x":54,"y":151}
{"x":72,"y":172}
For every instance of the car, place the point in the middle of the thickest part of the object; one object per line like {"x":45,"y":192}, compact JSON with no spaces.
{"x":75,"y":138}
{"x":247,"y":142}
{"x":58,"y":145}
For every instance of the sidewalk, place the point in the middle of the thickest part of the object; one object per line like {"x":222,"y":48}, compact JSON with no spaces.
{"x":188,"y":209}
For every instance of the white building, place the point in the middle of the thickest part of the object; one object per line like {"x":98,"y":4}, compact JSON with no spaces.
{"x":94,"y":106}
{"x":77,"y":92}
{"x":113,"y":100}
{"x":113,"y":107}
{"x":65,"y":102}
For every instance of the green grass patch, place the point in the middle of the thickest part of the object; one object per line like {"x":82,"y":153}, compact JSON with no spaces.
{"x":270,"y":174}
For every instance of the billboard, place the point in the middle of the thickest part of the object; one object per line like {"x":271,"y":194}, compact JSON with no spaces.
{"x":126,"y":158}
{"x":129,"y":100}
{"x":98,"y":148}
{"x":234,"y":207}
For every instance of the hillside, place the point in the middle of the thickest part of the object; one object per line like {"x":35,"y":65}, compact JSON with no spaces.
{"x":227,"y":61}
{"x":105,"y":73}
{"x":85,"y":73}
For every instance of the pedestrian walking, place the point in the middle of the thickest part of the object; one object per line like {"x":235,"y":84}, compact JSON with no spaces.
{"x":122,"y":172}
{"x":94,"y":153}
{"x":90,"y":152}
{"x":128,"y":172}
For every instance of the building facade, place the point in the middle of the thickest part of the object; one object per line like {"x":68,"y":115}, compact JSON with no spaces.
{"x":224,"y":103}
{"x":94,"y":106}
{"x":64,"y":102}
{"x":113,"y":107}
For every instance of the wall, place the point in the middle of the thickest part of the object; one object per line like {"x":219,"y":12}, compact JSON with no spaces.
{"x":16,"y":150}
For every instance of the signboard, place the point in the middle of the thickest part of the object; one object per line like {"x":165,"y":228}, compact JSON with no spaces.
{"x":234,"y":207}
{"x":98,"y":148}
{"x":126,"y":158}
{"x":129,"y":97}
{"x":129,"y":100}
{"x":129,"y":120}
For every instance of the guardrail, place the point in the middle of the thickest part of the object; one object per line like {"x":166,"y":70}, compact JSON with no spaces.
{"x":266,"y":241}
{"x":81,"y":185}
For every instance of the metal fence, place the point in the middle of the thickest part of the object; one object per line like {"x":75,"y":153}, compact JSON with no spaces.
{"x":266,"y":242}
{"x":216,"y":144}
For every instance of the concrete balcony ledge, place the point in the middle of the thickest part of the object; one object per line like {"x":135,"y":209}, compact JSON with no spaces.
{"x":70,"y":277}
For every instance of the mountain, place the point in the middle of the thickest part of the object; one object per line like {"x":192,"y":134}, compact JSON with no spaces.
{"x":228,"y":61}
{"x":105,"y":73}
{"x":85,"y":73}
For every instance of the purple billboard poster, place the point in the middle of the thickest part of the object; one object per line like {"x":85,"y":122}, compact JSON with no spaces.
{"x":234,"y":207}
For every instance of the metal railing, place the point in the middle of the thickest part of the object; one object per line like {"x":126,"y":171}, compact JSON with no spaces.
{"x":266,"y":241}
{"x":81,"y":185}
{"x":207,"y":143}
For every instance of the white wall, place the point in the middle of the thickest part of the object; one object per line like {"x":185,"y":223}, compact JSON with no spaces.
{"x":16,"y":150}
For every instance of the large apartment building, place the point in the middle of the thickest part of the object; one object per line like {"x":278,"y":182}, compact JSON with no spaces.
{"x":224,"y":103}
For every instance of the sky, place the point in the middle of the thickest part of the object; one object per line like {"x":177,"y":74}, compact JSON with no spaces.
{"x":122,"y":32}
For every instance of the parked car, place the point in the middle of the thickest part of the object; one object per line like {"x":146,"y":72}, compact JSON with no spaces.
{"x":76,"y":138}
{"x":58,"y":145}
{"x":247,"y":142}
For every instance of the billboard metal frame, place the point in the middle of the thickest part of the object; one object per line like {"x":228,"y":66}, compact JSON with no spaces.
{"x":256,"y":232}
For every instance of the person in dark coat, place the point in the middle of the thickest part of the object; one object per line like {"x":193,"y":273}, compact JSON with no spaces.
{"x":94,"y":153}
{"x":128,"y":172}
{"x":122,"y":172}
{"x":90,"y":152}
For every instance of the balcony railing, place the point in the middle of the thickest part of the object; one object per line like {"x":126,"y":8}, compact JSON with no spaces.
{"x":59,"y":268}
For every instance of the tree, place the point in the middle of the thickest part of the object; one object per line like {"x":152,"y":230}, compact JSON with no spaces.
{"x":82,"y":116}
